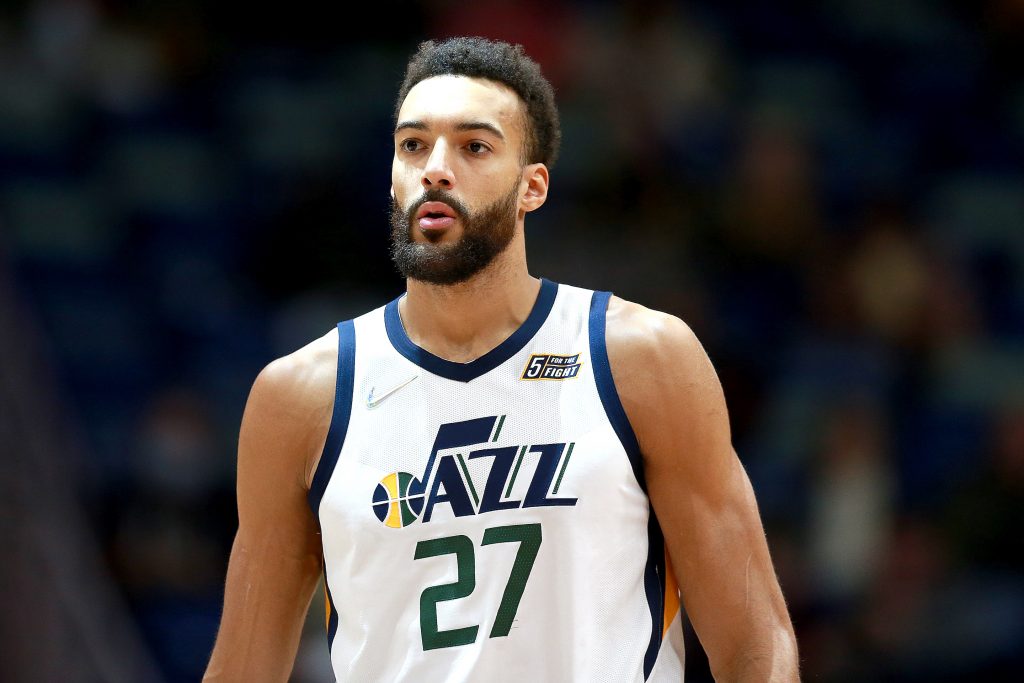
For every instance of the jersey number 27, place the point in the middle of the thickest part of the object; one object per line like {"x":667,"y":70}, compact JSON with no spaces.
{"x":528,"y":536}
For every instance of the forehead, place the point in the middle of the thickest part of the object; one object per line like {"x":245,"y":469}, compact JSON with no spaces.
{"x":451,"y":99}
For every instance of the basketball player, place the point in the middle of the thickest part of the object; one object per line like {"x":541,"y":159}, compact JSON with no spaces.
{"x":501,"y":478}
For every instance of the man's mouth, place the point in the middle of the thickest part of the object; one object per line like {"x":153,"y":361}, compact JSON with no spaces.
{"x":435,"y":216}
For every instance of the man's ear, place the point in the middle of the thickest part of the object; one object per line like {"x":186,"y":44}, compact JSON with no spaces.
{"x":536,"y":192}
{"x":393,"y":193}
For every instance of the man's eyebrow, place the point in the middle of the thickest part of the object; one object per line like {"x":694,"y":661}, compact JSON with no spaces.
{"x":461,"y":127}
{"x":415,"y":125}
{"x":480,"y":125}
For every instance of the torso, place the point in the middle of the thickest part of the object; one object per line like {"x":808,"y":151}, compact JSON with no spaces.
{"x":488,"y":520}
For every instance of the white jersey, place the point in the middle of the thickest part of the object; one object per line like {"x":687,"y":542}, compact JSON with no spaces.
{"x":488,"y":521}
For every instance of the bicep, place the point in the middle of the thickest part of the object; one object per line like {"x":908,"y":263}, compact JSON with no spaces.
{"x":720,"y":557}
{"x":702,"y":496}
{"x":275,"y":558}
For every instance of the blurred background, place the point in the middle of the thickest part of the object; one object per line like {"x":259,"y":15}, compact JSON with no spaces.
{"x":831,"y":194}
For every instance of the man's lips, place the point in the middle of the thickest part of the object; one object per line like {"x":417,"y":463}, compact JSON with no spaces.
{"x":435,"y":209}
{"x":435,"y":216}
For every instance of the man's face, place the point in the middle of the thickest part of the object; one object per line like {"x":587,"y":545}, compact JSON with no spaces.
{"x":457,"y":177}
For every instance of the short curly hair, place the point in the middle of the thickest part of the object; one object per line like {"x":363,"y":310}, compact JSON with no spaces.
{"x":500,"y":62}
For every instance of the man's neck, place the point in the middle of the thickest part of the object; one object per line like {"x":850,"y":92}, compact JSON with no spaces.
{"x":462,"y":322}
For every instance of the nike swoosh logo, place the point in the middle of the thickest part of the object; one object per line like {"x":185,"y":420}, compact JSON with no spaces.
{"x":373,"y":399}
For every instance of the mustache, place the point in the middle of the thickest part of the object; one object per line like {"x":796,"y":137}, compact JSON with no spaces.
{"x":436,"y":195}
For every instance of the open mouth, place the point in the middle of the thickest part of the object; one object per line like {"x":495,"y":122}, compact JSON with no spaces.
{"x":433,"y":216}
{"x":435,"y":210}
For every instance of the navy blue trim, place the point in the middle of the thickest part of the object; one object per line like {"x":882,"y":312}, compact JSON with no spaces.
{"x":464,"y":372}
{"x":340,"y":416}
{"x":606,"y":385}
{"x":654,"y":587}
{"x":654,"y":570}
{"x":332,"y":621}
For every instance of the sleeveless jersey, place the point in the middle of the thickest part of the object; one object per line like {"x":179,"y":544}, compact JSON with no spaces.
{"x":488,"y":521}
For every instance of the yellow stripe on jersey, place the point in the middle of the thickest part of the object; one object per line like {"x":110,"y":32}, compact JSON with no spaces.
{"x":327,"y":607}
{"x":671,"y":595}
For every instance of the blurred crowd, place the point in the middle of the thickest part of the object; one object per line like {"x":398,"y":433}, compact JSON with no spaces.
{"x":831,"y":194}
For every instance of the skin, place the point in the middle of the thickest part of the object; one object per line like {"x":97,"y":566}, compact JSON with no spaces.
{"x":465,"y":135}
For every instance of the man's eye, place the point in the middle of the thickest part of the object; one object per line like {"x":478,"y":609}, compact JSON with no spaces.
{"x":410,"y":145}
{"x":477,"y":147}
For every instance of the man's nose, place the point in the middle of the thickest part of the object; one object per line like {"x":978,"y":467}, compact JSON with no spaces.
{"x":438,"y":172}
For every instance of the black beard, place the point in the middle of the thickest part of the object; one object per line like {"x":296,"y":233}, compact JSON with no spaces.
{"x":485,"y":234}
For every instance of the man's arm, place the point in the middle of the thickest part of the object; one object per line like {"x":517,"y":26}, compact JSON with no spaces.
{"x":701,"y":495}
{"x":276,"y":557}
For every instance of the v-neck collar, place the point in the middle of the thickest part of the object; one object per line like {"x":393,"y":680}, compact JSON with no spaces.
{"x":464,"y":372}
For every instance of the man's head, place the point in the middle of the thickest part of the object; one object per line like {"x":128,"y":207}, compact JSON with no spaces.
{"x":501,"y":63}
{"x":475,"y":130}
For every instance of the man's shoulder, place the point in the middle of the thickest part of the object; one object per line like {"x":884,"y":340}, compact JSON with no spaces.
{"x":643,"y":339}
{"x":290,"y":405}
{"x":663,"y":376}
{"x":306,"y":374}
